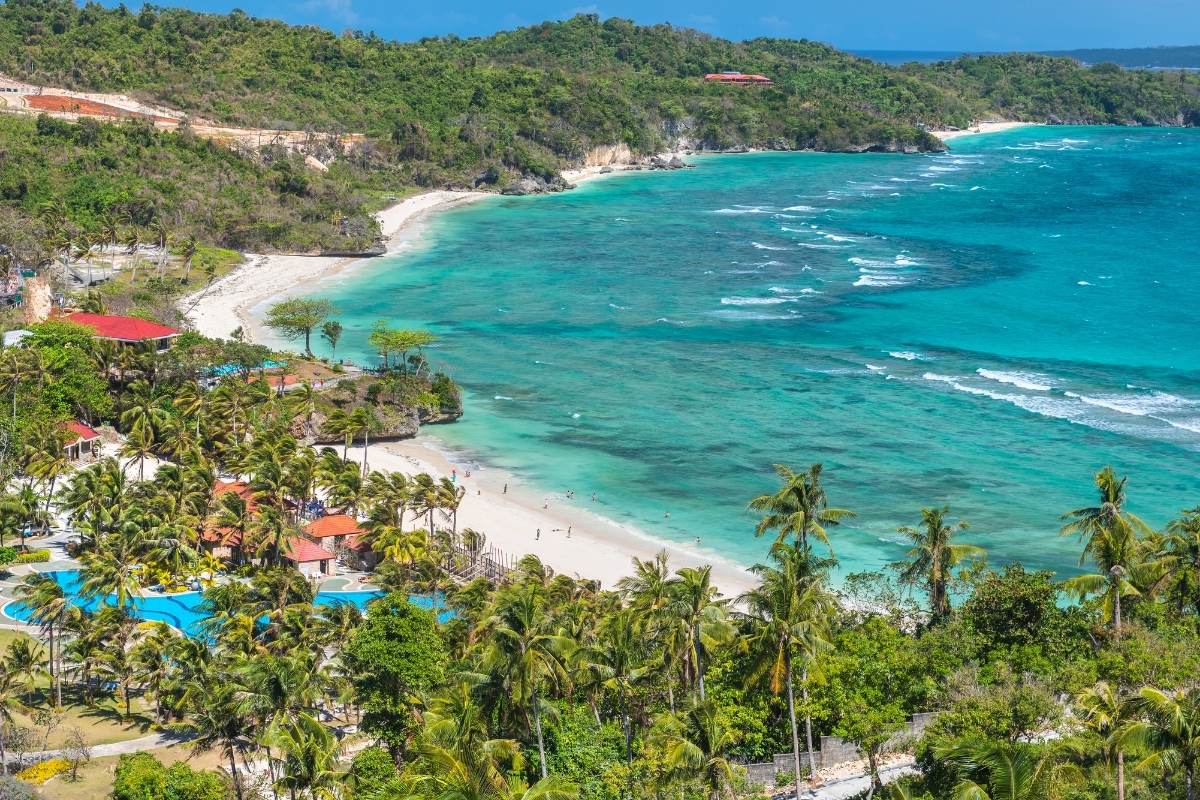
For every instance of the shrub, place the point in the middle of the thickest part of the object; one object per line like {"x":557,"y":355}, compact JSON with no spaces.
{"x":39,"y":773}
{"x":32,"y":557}
{"x":140,"y":776}
{"x":7,"y":555}
{"x":371,"y":770}
{"x":13,"y":789}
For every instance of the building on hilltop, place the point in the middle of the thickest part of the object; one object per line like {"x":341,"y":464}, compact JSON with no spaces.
{"x":129,"y":331}
{"x":738,"y":78}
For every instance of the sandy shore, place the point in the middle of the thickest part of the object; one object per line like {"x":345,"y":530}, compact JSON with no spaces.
{"x":982,"y":127}
{"x":572,"y":539}
{"x":229,"y":303}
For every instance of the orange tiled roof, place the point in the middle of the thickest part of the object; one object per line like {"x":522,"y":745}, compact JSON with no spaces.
{"x":332,"y":525}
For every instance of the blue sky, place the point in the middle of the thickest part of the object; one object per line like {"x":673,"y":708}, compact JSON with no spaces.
{"x":858,"y":24}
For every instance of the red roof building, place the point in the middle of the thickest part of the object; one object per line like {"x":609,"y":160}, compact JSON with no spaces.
{"x":740,"y":78}
{"x":333,"y":525}
{"x":126,"y":330}
{"x":84,"y":440}
{"x":310,"y":558}
{"x":239,"y":488}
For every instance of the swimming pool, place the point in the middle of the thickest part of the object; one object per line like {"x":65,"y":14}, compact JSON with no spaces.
{"x":181,"y":610}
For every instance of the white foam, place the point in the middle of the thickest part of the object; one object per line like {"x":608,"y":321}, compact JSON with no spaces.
{"x":1022,"y":380}
{"x":743,"y":210}
{"x":576,"y":415}
{"x":875,"y":279}
{"x":1153,"y":404}
{"x":1082,"y":283}
{"x":755,"y":301}
{"x":501,"y":397}
{"x":833,"y":237}
{"x":907,"y":355}
{"x":760,"y":246}
{"x":816,"y":246}
{"x":800,"y":208}
{"x":616,"y":307}
{"x":874,"y":368}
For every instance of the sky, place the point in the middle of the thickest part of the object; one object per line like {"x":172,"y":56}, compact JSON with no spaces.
{"x":948,"y":25}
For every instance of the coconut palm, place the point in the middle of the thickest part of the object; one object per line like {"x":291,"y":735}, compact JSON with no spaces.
{"x":113,"y":568}
{"x":799,"y":508}
{"x":138,"y":446}
{"x":215,"y":722}
{"x":1112,"y":541}
{"x":933,"y":557}
{"x":525,"y":654}
{"x":789,"y":614}
{"x":1182,"y":550}
{"x":49,"y":608}
{"x":188,"y":249}
{"x":451,"y":497}
{"x":389,"y":494}
{"x":1105,"y":711}
{"x":1007,"y":771}
{"x":1168,"y":735}
{"x":362,"y":422}
{"x":10,"y":689}
{"x":697,"y":744}
{"x":309,"y":756}
{"x":695,"y":618}
{"x":615,"y":663}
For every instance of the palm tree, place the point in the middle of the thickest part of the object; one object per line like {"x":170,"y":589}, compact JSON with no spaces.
{"x":49,"y":607}
{"x":158,"y":227}
{"x":339,"y":423}
{"x":1182,"y":551}
{"x":1008,"y":771}
{"x":616,"y":663}
{"x":187,"y":250}
{"x":389,"y":494}
{"x":933,"y":557}
{"x":696,"y":617}
{"x":362,"y":421}
{"x":110,"y":232}
{"x":799,"y":508}
{"x":309,"y":755}
{"x":697,"y":744}
{"x":525,"y":653}
{"x":138,"y":446}
{"x":1168,"y":737}
{"x":1111,"y":539}
{"x":789,"y":613}
{"x":216,"y":722}
{"x":1104,"y":711}
{"x":113,"y":569}
{"x":451,"y":498}
{"x":10,"y":689}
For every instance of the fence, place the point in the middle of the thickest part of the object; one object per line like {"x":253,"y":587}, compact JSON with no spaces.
{"x":833,"y":750}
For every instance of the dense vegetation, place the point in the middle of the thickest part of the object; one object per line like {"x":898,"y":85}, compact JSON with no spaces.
{"x":549,"y":687}
{"x":534,"y":98}
{"x":76,"y":179}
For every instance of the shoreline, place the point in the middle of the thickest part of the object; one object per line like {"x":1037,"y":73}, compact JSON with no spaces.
{"x":982,"y":128}
{"x":216,"y":310}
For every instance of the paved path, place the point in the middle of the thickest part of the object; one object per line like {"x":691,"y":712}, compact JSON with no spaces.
{"x":851,"y":787}
{"x":153,"y":741}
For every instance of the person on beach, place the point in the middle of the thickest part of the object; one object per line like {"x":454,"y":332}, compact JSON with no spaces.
{"x":537,"y":536}
{"x":505,"y":489}
{"x":568,"y":531}
{"x":593,"y":497}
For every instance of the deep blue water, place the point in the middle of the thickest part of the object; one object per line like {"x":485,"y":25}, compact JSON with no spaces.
{"x":983,"y":328}
{"x":180,"y":610}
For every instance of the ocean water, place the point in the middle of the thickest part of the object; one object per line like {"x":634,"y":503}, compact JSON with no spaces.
{"x":983,"y":328}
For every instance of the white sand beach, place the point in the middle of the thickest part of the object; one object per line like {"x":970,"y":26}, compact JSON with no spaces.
{"x":572,"y":540}
{"x":982,"y":127}
{"x":227,"y":304}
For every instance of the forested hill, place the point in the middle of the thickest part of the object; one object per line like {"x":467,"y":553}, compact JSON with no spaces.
{"x":535,"y":99}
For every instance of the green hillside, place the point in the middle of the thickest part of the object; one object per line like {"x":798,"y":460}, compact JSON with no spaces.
{"x":457,"y":112}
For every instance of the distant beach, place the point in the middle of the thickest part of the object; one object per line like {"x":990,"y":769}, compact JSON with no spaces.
{"x":982,"y":127}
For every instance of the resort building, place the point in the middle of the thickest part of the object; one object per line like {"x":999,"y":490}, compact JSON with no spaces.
{"x":361,"y":552}
{"x":333,"y":530}
{"x":739,"y":78}
{"x":84,"y":442}
{"x":223,"y":543}
{"x":129,"y":331}
{"x":312,"y":560}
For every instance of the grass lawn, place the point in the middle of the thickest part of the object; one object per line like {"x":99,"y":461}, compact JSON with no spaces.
{"x":96,"y":778}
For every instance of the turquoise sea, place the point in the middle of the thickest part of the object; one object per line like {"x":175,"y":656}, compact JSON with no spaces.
{"x":983,"y":328}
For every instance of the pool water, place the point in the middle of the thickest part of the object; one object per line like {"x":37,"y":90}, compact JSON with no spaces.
{"x":182,"y":610}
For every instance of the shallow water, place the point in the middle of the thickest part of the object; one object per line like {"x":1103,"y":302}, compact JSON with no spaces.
{"x":983,"y":328}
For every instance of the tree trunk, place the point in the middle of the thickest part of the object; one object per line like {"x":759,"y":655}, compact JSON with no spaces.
{"x":1120,"y":775}
{"x":1117,"y":610}
{"x":366,"y":444}
{"x":237,"y":785}
{"x":787,"y":661}
{"x":537,"y":724}
{"x":808,"y":740}
{"x":670,"y":695}
{"x":699,"y":666}
{"x":3,"y":755}
{"x":625,"y":723}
